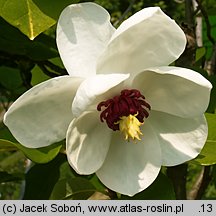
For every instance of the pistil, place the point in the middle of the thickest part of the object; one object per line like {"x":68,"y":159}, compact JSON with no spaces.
{"x":125,"y":112}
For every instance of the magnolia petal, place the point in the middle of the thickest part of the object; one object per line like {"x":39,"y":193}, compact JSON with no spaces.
{"x":178,"y":91}
{"x":83,"y":31}
{"x":87,"y":143}
{"x":42,"y":115}
{"x":96,"y":89}
{"x":131,"y":167}
{"x":148,"y":38}
{"x":180,"y":139}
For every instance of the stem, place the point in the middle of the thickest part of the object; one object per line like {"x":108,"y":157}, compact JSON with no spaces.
{"x":46,"y":71}
{"x":189,"y":12}
{"x":178,"y":174}
{"x":198,"y":189}
{"x":198,"y":28}
{"x":209,"y":35}
{"x":213,"y":61}
{"x":112,"y":194}
{"x":125,"y":13}
{"x":208,"y":25}
{"x":11,"y":160}
{"x":55,"y":67}
{"x":188,"y":56}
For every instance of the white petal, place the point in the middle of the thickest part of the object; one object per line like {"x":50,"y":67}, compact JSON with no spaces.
{"x":95,"y":89}
{"x":147,"y":39}
{"x":87,"y":143}
{"x":180,"y":139}
{"x":174,"y":90}
{"x":83,"y":30}
{"x":131,"y":167}
{"x":41,"y":115}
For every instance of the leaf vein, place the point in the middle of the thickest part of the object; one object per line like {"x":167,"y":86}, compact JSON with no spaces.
{"x":31,"y":28}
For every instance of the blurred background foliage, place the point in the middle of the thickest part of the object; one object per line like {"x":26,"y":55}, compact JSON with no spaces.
{"x":28,"y":56}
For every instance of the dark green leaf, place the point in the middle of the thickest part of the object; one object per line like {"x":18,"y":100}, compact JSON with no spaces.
{"x":6,"y":177}
{"x":97,"y":184}
{"x":53,"y":8}
{"x":5,"y":134}
{"x":70,"y":185}
{"x":41,"y":178}
{"x":66,"y":172}
{"x":10,"y":78}
{"x":161,"y":189}
{"x":73,"y":188}
{"x":14,"y":42}
{"x":214,"y":175}
{"x":206,"y":41}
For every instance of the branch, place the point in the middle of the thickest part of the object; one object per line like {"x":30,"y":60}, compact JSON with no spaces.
{"x":125,"y":13}
{"x":112,"y":194}
{"x":55,"y":67}
{"x":208,"y":25}
{"x":46,"y":71}
{"x":4,"y":98}
{"x":213,"y":61}
{"x":201,"y":184}
{"x":178,"y":174}
{"x":189,"y":12}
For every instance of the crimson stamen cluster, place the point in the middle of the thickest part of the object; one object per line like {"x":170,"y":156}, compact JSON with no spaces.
{"x":129,"y":102}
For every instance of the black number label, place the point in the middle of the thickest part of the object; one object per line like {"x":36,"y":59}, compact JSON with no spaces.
{"x":206,"y":207}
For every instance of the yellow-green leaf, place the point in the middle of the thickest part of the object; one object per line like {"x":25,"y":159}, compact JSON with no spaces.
{"x":39,"y":155}
{"x":26,"y":16}
{"x":208,"y":154}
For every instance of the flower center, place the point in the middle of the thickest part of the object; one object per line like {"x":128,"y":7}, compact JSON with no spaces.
{"x":125,"y":112}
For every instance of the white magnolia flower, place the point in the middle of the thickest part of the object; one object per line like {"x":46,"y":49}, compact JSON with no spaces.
{"x":110,"y":127}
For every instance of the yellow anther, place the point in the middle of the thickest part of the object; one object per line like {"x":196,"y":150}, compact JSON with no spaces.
{"x":130,"y":127}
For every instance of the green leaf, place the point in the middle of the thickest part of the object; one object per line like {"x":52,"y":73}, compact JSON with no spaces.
{"x":41,"y":178}
{"x":53,"y":8}
{"x":56,"y":180}
{"x":212,"y":103}
{"x":38,"y":76}
{"x":12,"y":41}
{"x":73,"y":188}
{"x":42,"y":155}
{"x":161,"y":189}
{"x":10,"y":78}
{"x":11,"y":83}
{"x":39,"y":155}
{"x":214,"y":175}
{"x":70,"y":185}
{"x":6,"y":145}
{"x":32,"y":16}
{"x":98,"y":184}
{"x":6,"y":177}
{"x":206,"y":41}
{"x":26,"y":16}
{"x":207,"y":155}
{"x":5,"y":134}
{"x":200,"y":52}
{"x":211,"y":119}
